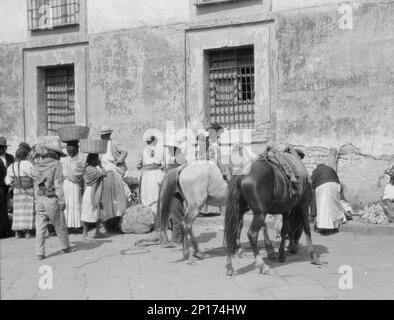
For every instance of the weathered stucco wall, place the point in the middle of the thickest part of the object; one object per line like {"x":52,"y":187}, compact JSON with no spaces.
{"x":338,"y":85}
{"x":110,"y":15}
{"x":13,"y":21}
{"x":11,"y":94}
{"x":136,"y":83}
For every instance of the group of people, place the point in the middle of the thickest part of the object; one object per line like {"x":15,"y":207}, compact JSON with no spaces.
{"x":73,"y":191}
{"x":68,"y":191}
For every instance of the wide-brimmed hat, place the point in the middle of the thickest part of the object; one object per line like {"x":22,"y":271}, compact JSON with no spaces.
{"x":3,"y":141}
{"x":55,"y":145}
{"x":105,"y":130}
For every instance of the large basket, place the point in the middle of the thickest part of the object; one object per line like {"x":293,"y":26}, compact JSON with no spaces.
{"x":93,"y":146}
{"x":73,"y":133}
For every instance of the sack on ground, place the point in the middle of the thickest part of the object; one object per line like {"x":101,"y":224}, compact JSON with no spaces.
{"x":138,"y":220}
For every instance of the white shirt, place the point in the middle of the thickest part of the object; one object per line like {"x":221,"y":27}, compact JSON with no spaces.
{"x":25,"y":170}
{"x":4,"y":161}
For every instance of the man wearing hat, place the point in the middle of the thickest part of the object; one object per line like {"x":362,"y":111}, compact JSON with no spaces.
{"x":49,"y":194}
{"x":5,"y":161}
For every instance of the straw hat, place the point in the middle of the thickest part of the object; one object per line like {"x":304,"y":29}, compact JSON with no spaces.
{"x":105,"y":130}
{"x":55,"y":145}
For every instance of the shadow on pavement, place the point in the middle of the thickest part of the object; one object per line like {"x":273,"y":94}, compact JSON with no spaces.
{"x":206,"y":237}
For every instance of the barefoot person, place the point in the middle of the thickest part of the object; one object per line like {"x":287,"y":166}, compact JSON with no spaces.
{"x":50,"y":203}
{"x":91,"y":203}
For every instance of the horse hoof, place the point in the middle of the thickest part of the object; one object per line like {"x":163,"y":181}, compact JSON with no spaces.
{"x":282,"y":258}
{"x":266,"y":270}
{"x":198,"y":255}
{"x":316,"y":261}
{"x":230,"y":271}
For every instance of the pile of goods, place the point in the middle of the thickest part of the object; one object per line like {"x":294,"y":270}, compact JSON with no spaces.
{"x":374,"y":214}
{"x":138,"y":220}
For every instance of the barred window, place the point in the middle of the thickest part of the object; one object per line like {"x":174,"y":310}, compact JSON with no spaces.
{"x":60,"y":92}
{"x":48,"y":14}
{"x":231,"y":87}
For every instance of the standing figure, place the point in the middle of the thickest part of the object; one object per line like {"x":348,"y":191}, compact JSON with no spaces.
{"x":49,"y":194}
{"x":151,"y":164}
{"x":213,"y":151}
{"x":174,"y":158}
{"x":5,"y":161}
{"x":73,"y":168}
{"x":92,"y":198}
{"x":330,"y":212}
{"x":114,"y":196}
{"x":20,"y":178}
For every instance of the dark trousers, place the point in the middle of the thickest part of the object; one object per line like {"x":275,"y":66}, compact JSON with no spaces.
{"x":5,"y":223}
{"x":177,"y":215}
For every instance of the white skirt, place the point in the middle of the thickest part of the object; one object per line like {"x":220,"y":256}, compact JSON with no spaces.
{"x":73,"y":199}
{"x":330,"y":212}
{"x":88,"y":213}
{"x":150,"y":184}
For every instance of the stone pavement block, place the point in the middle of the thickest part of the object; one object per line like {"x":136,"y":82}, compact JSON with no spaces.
{"x":359,"y":292}
{"x":20,"y":293}
{"x":107,"y":293}
{"x":256,"y":281}
{"x":122,"y":270}
{"x":299,"y":268}
{"x":384,"y":291}
{"x":70,"y":292}
{"x":158,"y":292}
{"x":107,"y":281}
{"x":292,"y":292}
{"x":94,"y":269}
{"x":372,"y":277}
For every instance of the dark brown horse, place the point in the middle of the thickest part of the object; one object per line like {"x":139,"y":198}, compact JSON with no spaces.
{"x":264,"y":190}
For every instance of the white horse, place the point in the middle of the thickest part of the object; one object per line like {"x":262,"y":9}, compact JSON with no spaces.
{"x":198,"y":183}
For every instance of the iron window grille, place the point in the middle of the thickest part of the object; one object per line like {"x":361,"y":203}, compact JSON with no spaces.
{"x":231,"y":88}
{"x":208,"y":2}
{"x":60,"y":98}
{"x":48,"y":14}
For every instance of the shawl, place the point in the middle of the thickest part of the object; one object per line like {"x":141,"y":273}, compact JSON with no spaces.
{"x":93,"y":178}
{"x":73,"y":169}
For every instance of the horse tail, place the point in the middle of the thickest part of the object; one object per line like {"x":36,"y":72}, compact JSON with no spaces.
{"x":233,"y":216}
{"x":166,"y":193}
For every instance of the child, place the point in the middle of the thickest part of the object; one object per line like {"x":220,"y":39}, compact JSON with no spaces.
{"x":48,"y":179}
{"x":91,"y":203}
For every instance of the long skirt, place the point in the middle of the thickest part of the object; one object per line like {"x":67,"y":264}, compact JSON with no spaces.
{"x":88,"y":213}
{"x":23,"y":216}
{"x":330,"y":212}
{"x":73,"y":199}
{"x":150,"y":185}
{"x":114,"y":196}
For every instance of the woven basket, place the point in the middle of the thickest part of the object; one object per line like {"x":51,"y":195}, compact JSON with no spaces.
{"x":73,"y":133}
{"x":93,"y":146}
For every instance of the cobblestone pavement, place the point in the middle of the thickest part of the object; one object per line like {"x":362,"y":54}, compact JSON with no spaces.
{"x":113,"y":268}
